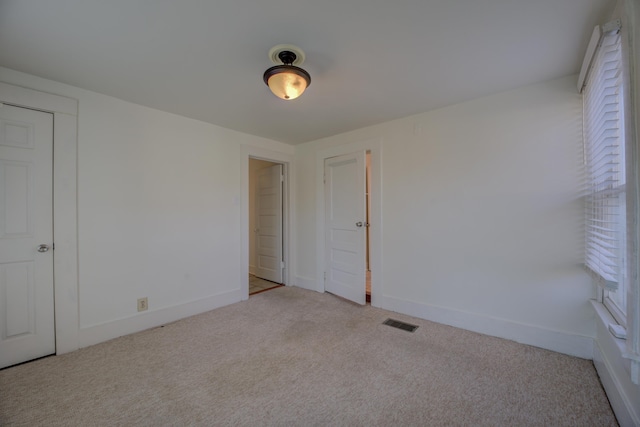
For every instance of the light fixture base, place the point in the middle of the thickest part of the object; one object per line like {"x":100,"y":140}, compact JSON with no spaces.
{"x":274,"y":53}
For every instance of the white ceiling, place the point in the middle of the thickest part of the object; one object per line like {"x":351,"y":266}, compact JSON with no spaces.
{"x":370,"y":60}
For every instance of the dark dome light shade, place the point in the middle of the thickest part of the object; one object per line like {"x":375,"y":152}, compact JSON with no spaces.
{"x":287,"y":81}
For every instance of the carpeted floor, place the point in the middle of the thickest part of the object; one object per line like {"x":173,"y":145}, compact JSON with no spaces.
{"x":290,"y":357}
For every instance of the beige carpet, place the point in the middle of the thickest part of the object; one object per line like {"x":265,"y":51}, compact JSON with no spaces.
{"x":290,"y":357}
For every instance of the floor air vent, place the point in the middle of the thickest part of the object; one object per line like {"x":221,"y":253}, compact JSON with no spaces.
{"x":400,"y":325}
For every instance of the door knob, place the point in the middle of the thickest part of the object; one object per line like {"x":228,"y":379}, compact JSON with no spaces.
{"x":43,"y":248}
{"x":359,"y":224}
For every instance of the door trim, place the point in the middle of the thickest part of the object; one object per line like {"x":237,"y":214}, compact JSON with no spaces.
{"x":65,"y":209}
{"x":373,"y":145}
{"x":288,"y":197}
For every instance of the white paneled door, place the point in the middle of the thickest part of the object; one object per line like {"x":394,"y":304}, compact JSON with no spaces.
{"x":26,"y":235}
{"x":269,"y":257}
{"x":345,"y":226}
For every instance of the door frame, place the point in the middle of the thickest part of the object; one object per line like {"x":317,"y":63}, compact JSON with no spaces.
{"x":65,"y":209}
{"x":374,"y":146}
{"x":288,"y":202}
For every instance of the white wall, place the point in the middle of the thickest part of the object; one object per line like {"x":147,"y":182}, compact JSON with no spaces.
{"x":480,"y":216}
{"x":159,"y":208}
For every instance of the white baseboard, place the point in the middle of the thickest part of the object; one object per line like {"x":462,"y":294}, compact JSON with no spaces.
{"x":561,"y":342}
{"x":614,"y":371}
{"x":105,"y":331}
{"x":306,"y":283}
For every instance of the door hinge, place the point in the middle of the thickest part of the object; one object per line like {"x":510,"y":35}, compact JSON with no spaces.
{"x":281,"y":178}
{"x":53,"y":246}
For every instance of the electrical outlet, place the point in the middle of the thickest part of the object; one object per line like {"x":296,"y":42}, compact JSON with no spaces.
{"x":142,"y":304}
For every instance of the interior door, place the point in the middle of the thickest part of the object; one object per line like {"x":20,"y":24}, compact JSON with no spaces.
{"x":26,"y":235}
{"x":345,"y":226}
{"x":269,"y":258}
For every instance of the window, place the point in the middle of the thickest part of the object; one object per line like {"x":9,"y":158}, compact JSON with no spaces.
{"x":604,"y":147}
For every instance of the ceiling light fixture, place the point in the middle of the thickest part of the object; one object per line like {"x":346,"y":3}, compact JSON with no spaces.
{"x":287,"y":81}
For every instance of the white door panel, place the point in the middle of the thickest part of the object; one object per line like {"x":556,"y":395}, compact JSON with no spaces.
{"x":345,"y":226}
{"x":269,"y":224}
{"x":26,"y":222}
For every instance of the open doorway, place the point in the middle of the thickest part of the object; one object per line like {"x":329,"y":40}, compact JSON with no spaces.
{"x":286,"y":160}
{"x":368,"y":224}
{"x":266,"y":225}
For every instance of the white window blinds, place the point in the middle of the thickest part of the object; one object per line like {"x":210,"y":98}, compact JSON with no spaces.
{"x":604,"y":159}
